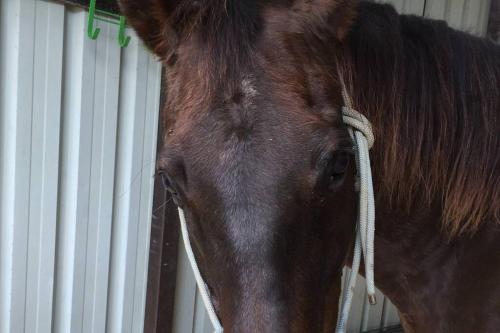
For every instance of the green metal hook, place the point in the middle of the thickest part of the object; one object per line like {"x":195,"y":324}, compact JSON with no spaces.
{"x":108,"y":17}
{"x":122,"y":39}
{"x":93,"y":34}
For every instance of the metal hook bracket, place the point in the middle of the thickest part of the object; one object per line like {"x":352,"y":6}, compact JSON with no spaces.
{"x":105,"y":16}
{"x":123,"y":40}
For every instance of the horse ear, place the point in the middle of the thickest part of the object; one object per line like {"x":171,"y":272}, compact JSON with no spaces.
{"x":150,"y":19}
{"x":336,"y":16}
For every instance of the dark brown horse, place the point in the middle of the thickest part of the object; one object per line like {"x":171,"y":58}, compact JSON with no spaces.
{"x":258,"y":156}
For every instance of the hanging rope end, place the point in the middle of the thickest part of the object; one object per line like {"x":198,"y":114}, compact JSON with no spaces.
{"x":372,"y":299}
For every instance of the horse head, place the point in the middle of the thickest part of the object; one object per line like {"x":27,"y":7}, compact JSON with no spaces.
{"x":256,"y":152}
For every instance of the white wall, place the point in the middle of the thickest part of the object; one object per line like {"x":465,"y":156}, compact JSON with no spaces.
{"x":78,"y":123}
{"x":466,"y":15}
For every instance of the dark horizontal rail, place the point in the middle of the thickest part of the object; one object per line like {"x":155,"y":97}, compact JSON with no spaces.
{"x":390,"y":329}
{"x":110,"y":6}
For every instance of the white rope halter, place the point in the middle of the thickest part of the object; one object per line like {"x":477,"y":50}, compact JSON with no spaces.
{"x":202,"y":286}
{"x":361,"y":133}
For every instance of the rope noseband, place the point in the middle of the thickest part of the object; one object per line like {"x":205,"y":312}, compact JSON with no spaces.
{"x":202,"y":286}
{"x":361,"y":133}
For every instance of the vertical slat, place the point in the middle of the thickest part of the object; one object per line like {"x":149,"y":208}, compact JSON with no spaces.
{"x":185,"y":293}
{"x":162,"y":267}
{"x":469,"y":16}
{"x":475,"y":18}
{"x":486,"y":15}
{"x":398,"y":4}
{"x":74,"y":185}
{"x":364,"y":316}
{"x":385,"y":313}
{"x":151,"y":110}
{"x":107,"y":75}
{"x":390,"y":314}
{"x":415,"y":7}
{"x":436,"y":9}
{"x":355,"y":316}
{"x":17,"y":43}
{"x":202,"y":322}
{"x":493,"y":25}
{"x":127,"y":187}
{"x":47,"y":84}
{"x":455,"y":13}
{"x":371,"y":314}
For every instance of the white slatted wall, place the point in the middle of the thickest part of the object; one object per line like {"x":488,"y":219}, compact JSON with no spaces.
{"x":78,"y":123}
{"x":190,"y":316}
{"x":466,"y":15}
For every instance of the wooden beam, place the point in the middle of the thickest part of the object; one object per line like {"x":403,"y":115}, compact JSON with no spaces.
{"x":163,"y":252}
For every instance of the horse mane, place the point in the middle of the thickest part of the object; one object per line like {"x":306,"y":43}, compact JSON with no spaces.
{"x":433,"y":95}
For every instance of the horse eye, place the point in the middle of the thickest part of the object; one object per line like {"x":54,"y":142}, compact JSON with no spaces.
{"x":164,"y":179}
{"x":170,"y":187}
{"x":337,"y":169}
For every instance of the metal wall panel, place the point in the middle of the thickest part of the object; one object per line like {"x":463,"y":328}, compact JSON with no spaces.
{"x":78,"y":123}
{"x":190,"y":315}
{"x":466,"y":15}
{"x":415,"y":7}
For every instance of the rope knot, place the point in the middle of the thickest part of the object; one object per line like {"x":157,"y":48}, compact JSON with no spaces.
{"x":358,"y":122}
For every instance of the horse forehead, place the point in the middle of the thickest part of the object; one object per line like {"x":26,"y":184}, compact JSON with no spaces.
{"x":262,"y":152}
{"x":248,"y":111}
{"x":249,"y":123}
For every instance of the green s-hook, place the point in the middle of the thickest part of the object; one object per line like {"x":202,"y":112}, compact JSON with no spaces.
{"x":122,"y":39}
{"x":93,"y":34}
{"x":108,"y":17}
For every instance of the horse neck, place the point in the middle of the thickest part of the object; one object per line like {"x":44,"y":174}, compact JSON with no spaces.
{"x":431,"y":94}
{"x":419,"y":263}
{"x":420,"y":267}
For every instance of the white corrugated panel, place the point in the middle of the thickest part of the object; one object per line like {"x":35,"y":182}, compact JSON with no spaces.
{"x":78,"y":123}
{"x":190,"y":315}
{"x":466,"y":15}
{"x":415,"y":7}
